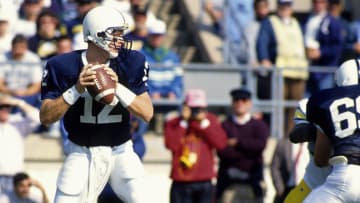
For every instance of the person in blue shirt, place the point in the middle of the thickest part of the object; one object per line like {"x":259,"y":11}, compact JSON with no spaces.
{"x":329,"y":39}
{"x":167,"y":81}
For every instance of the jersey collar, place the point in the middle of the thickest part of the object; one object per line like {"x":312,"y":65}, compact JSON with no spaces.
{"x":85,"y":61}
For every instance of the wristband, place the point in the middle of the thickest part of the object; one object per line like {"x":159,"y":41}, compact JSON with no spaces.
{"x":71,"y":95}
{"x":114,"y":102}
{"x":125,"y":96}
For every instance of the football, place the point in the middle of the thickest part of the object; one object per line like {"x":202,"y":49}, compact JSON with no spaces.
{"x":104,"y":89}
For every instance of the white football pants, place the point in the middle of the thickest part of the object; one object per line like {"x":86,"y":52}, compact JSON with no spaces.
{"x":86,"y":171}
{"x":341,"y":186}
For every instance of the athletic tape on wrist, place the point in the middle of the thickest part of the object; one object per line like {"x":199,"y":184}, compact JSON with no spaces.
{"x":71,"y":95}
{"x":125,"y":95}
{"x":114,"y":102}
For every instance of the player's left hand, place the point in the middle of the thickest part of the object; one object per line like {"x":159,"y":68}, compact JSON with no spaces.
{"x":112,"y":74}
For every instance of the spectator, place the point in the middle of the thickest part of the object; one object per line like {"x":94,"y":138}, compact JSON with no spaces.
{"x":215,"y":9}
{"x":69,"y":11}
{"x":336,"y":8}
{"x":280,"y":43}
{"x":191,"y":138}
{"x":241,"y":161}
{"x":151,"y":18}
{"x":5,"y":33}
{"x":74,"y":27}
{"x":43,"y":43}
{"x":319,"y":12}
{"x":140,"y":32}
{"x":22,"y":78}
{"x":22,"y":193}
{"x":262,"y":10}
{"x":288,"y":167}
{"x":64,"y":45}
{"x":164,"y":82}
{"x":230,"y":19}
{"x":26,"y":24}
{"x":14,"y":127}
{"x":327,"y":46}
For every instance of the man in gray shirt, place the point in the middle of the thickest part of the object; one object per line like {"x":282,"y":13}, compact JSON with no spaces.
{"x":21,"y":193}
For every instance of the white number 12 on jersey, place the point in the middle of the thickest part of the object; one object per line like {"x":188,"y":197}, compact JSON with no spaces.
{"x":103,"y":116}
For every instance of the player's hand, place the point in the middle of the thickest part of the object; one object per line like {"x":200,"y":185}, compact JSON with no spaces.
{"x":86,"y":78}
{"x":112,"y":74}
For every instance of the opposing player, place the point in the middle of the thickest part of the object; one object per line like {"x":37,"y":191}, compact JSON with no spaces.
{"x":336,"y":113}
{"x":100,"y":143}
{"x":314,"y":176}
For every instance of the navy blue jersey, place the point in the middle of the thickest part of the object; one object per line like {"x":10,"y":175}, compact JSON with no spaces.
{"x":337,"y":112}
{"x":88,"y":122}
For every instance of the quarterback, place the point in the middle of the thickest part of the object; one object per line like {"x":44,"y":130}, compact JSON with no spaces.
{"x":100,"y":147}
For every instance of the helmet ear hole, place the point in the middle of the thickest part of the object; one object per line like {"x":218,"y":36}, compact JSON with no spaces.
{"x":101,"y":34}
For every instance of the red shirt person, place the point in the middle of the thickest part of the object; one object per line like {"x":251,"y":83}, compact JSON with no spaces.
{"x":192,"y":139}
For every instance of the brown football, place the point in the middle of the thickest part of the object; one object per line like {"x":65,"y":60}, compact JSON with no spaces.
{"x":104,"y":89}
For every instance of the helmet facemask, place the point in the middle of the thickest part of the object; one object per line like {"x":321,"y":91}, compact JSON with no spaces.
{"x":112,"y":40}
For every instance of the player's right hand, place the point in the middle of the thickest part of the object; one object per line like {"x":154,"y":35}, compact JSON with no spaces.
{"x":86,"y":78}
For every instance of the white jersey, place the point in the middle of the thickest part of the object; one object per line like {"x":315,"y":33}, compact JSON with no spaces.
{"x":314,"y":175}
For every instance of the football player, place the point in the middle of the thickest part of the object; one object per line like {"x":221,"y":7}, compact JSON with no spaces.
{"x":336,"y":113}
{"x":314,"y":176}
{"x":100,"y":147}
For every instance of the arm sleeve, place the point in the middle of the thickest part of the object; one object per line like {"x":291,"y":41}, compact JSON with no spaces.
{"x":303,"y":132}
{"x":173,"y":134}
{"x":139,"y":74}
{"x":264,"y":40}
{"x":50,"y":88}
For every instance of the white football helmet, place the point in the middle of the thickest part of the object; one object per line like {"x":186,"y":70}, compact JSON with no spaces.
{"x":348,"y":73}
{"x":102,"y":26}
